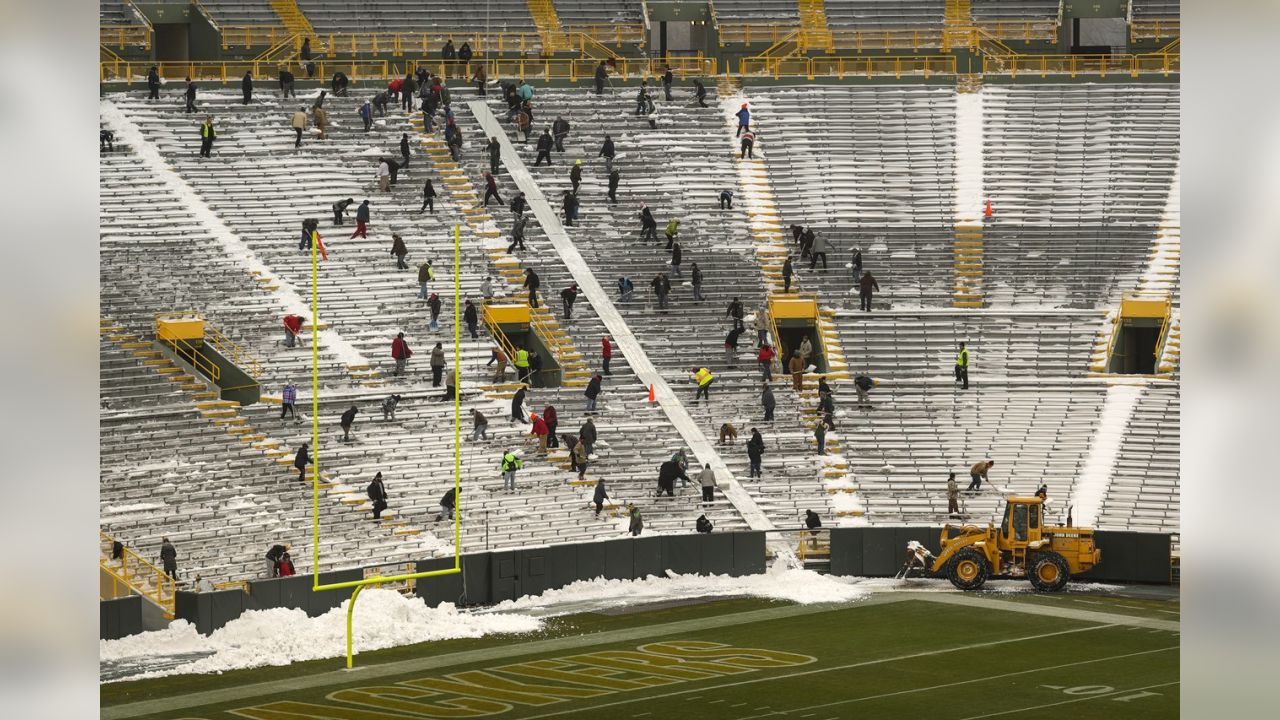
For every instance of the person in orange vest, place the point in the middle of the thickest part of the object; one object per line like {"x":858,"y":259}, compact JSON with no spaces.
{"x":540,"y":430}
{"x":704,"y":379}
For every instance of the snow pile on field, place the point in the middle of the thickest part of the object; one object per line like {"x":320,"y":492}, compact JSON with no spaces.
{"x":794,"y":585}
{"x":383,"y":619}
{"x":386,"y":619}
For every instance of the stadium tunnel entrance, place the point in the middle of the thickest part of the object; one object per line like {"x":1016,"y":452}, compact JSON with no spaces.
{"x":512,"y":326}
{"x":1138,"y":338}
{"x":792,"y":319}
{"x":204,"y":351}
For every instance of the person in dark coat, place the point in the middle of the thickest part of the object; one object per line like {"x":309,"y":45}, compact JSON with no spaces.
{"x":448,"y":54}
{"x":667,"y":78}
{"x":726,"y":199}
{"x":428,"y":198}
{"x":813,"y":522}
{"x":517,"y":234}
{"x":567,"y":297}
{"x":404,"y":149}
{"x":301,"y":460}
{"x":575,"y":176}
{"x":602,"y":74}
{"x":447,"y":504}
{"x":744,"y":120}
{"x":560,"y":131}
{"x":339,"y":84}
{"x":636,"y":526}
{"x":587,"y":435}
{"x":464,"y":54}
{"x":701,"y":92}
{"x":593,"y":391}
{"x":607,"y":151}
{"x":532,"y":283}
{"x":545,"y":143}
{"x":827,"y":407}
{"x":866,"y":285}
{"x":377,"y":492}
{"x":246,"y":87}
{"x":399,"y":250}
{"x":495,"y":154}
{"x":755,"y":453}
{"x":517,"y":407}
{"x":169,"y":558}
{"x":362,"y":220}
{"x":286,"y":84}
{"x":470,"y":316}
{"x":491,"y":189}
{"x":614,"y":177}
{"x":703,"y":525}
{"x":648,"y":225}
{"x":153,"y":83}
{"x":346,"y":421}
{"x":788,"y":270}
{"x":767,"y":400}
{"x":191,"y":96}
{"x":518,"y":204}
{"x":551,"y":419}
{"x":667,"y":474}
{"x":340,"y":209}
{"x":600,"y":495}
{"x":569,"y":203}
{"x":735,"y":311}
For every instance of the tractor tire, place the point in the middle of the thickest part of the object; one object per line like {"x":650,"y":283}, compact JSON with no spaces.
{"x":968,"y":570}
{"x":1049,"y":572}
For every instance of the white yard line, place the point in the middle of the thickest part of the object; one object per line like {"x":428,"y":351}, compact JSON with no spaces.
{"x":1091,"y":487}
{"x":621,"y":332}
{"x":1076,"y":700}
{"x":290,"y":298}
{"x":848,"y":666}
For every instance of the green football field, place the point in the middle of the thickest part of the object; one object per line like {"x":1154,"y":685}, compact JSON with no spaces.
{"x":895,"y":655}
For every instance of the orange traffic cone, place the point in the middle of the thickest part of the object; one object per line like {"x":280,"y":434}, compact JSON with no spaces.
{"x":987,"y":214}
{"x":652,"y":396}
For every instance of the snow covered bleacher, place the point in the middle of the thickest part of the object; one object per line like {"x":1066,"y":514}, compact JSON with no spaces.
{"x":872,"y":15}
{"x":242,"y":12}
{"x":1080,"y":178}
{"x":994,"y":11}
{"x":580,"y":13}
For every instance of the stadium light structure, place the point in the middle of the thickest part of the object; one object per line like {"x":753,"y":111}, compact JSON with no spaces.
{"x":315,"y":443}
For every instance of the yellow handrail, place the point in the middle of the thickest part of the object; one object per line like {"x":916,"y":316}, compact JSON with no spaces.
{"x":501,"y":338}
{"x":123,"y":36}
{"x":197,"y":358}
{"x":839,"y":67}
{"x":135,"y":572}
{"x":232,"y":351}
{"x":1073,"y":65}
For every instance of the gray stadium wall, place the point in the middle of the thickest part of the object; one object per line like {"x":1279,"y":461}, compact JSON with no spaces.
{"x":491,"y":577}
{"x":119,"y":617}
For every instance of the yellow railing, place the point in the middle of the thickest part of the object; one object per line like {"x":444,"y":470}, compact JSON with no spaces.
{"x":192,"y":354}
{"x":248,"y":36}
{"x":755,"y":32}
{"x":500,"y":337}
{"x":1074,"y":65}
{"x":1026,"y":31}
{"x":1154,"y":28}
{"x":232,"y":71}
{"x":886,"y":40}
{"x":616,"y":34}
{"x":139,"y":575}
{"x":232,"y":351}
{"x":125,"y":36}
{"x":840,"y":67}
{"x":425,"y":43}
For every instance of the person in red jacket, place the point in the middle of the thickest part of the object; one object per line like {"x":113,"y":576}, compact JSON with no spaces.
{"x":606,"y":352}
{"x":540,"y":429}
{"x":292,"y":329}
{"x":400,"y":352}
{"x":550,"y":417}
{"x":765,"y":358}
{"x":394,"y":87}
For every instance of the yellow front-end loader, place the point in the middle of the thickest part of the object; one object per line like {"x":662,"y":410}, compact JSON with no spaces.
{"x":1023,"y":546}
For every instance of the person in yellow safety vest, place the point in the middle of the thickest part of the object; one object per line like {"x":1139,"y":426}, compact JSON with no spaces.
{"x":704,"y":378}
{"x":522,"y":365}
{"x":510,"y":464}
{"x":207,"y":136}
{"x":962,"y":367}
